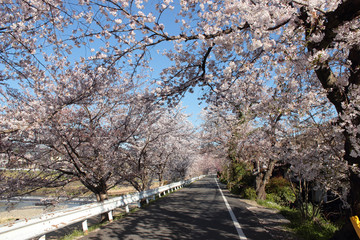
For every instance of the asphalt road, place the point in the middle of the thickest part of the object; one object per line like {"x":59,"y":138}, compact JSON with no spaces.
{"x":194,"y":212}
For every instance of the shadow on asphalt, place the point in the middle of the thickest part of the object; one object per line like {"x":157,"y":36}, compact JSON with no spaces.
{"x":190,"y":213}
{"x":195,"y":212}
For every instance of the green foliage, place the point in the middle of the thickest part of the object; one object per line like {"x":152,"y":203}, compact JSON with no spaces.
{"x":239,"y":180}
{"x":234,"y":188}
{"x":78,"y":233}
{"x":223,"y":180}
{"x":273,"y":197}
{"x":237,"y":176}
{"x":280,"y":194}
{"x":279,"y":191}
{"x":248,"y":179}
{"x":319,"y":229}
{"x":249,"y":193}
{"x":269,"y":204}
{"x":276,"y":183}
{"x":72,"y":235}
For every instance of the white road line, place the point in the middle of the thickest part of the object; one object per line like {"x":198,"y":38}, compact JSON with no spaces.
{"x":233,"y":218}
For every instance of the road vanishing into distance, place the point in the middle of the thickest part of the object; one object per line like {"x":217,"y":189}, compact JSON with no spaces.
{"x":204,"y":210}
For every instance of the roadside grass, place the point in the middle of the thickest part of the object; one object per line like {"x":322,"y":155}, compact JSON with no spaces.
{"x":73,"y":235}
{"x":6,"y":220}
{"x":79,"y":233}
{"x":269,"y":204}
{"x":319,"y":228}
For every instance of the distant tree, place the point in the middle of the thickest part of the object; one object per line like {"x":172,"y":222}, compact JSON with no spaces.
{"x":159,"y":148}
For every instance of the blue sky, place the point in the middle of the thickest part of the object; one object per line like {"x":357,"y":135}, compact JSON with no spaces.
{"x":190,"y":100}
{"x":191,"y":103}
{"x":159,"y":62}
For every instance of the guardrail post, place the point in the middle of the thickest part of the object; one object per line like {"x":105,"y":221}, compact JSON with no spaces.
{"x":147,"y":201}
{"x":40,"y":227}
{"x":110,"y":215}
{"x":85,"y":227}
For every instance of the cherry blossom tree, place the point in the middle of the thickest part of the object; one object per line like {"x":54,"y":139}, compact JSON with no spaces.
{"x":160,"y":148}
{"x":316,"y":159}
{"x":78,"y":129}
{"x":223,"y":40}
{"x":176,"y":153}
{"x":215,"y":43}
{"x":79,"y":101}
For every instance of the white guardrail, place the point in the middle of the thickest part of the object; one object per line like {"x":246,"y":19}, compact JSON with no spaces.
{"x":39,"y":226}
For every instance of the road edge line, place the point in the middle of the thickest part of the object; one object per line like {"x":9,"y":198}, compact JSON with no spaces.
{"x":233,"y":218}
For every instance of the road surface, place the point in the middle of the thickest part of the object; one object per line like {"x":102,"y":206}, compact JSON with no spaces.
{"x":199,"y":211}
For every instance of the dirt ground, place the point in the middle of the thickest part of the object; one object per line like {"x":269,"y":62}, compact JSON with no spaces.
{"x":25,"y":213}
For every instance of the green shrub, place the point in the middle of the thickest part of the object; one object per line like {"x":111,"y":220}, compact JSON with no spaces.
{"x":272,"y":197}
{"x":269,"y":204}
{"x":249,"y":193}
{"x":234,"y":188}
{"x":223,"y":180}
{"x":279,"y":190}
{"x":276,"y":183}
{"x":237,"y":177}
{"x":319,"y":229}
{"x":248,"y":179}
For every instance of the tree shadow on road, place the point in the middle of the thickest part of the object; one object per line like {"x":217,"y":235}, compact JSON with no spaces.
{"x":190,"y":213}
{"x":178,"y":216}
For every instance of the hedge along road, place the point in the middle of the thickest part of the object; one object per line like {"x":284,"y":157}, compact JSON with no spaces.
{"x":203,"y":210}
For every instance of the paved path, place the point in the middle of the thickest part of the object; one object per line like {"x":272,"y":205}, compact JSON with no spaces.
{"x":196,"y":212}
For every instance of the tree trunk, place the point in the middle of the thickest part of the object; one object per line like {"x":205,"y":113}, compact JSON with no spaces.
{"x":161,"y":179}
{"x":262,"y":179}
{"x":340,"y":99}
{"x":340,"y":96}
{"x":260,"y":189}
{"x":100,"y":191}
{"x":101,"y":197}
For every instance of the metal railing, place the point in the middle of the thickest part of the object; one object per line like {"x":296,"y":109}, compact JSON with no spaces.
{"x":46,"y":223}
